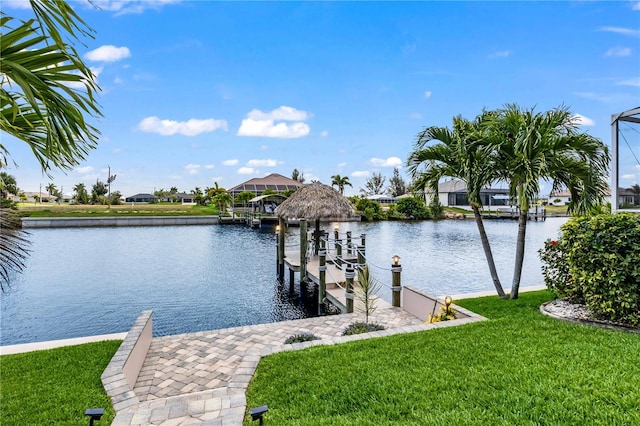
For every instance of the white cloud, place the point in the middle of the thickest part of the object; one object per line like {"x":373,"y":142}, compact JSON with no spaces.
{"x":389,"y":162}
{"x":581,"y":120}
{"x":247,"y":171}
{"x":262,"y":163}
{"x":324,"y":133}
{"x":618,"y":51}
{"x":191,"y":127}
{"x":83,"y":170}
{"x":624,"y":31}
{"x":631,"y":176}
{"x":341,"y":165}
{"x":263,"y":124}
{"x":636,"y":5}
{"x":500,"y":54}
{"x":415,"y":115}
{"x":230,"y":162}
{"x":360,"y":173}
{"x":108,"y":53}
{"x":263,"y":147}
{"x":284,"y":113}
{"x":427,"y":94}
{"x":631,"y":82}
{"x":267,"y":129}
{"x":124,"y":7}
{"x":209,"y":166}
{"x":192,"y":169}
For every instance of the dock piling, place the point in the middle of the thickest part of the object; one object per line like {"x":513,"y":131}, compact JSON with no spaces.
{"x":349,"y":275}
{"x":396,"y":285}
{"x":322,"y":276}
{"x":280,"y":229}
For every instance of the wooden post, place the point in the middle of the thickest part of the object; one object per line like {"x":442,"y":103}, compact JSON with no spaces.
{"x":303,"y":249}
{"x":349,"y":251}
{"x":363,"y":245}
{"x":361,"y":259}
{"x":281,"y":247}
{"x":277,"y":254}
{"x":322,"y":270}
{"x":349,"y":275}
{"x":339,"y":254}
{"x":396,"y":284}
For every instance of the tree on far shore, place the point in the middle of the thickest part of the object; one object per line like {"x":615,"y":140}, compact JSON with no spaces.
{"x":340,"y":182}
{"x":373,"y":185}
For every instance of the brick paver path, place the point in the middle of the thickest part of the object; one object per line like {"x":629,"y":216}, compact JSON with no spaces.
{"x":201,"y":378}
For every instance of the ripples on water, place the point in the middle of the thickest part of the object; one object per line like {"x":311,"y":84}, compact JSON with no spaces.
{"x":87,"y":281}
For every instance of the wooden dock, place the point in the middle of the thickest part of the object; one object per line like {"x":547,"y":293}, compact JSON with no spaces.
{"x":334,"y":281}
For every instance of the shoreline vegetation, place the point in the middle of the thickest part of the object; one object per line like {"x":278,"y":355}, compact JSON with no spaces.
{"x":54,"y":210}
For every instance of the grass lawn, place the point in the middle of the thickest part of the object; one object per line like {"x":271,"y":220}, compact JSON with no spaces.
{"x":55,"y":386}
{"x":80,"y":210}
{"x":518,"y":368}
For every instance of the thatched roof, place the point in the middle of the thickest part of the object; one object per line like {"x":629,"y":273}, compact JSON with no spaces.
{"x":315,"y":201}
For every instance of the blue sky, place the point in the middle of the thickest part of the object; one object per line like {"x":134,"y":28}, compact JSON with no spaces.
{"x":197,"y":92}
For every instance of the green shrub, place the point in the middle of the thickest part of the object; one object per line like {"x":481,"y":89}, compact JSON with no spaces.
{"x":596,"y":262}
{"x":436,"y":209}
{"x":299,"y":338}
{"x":371,"y":210}
{"x":360,"y":327}
{"x":413,"y":208}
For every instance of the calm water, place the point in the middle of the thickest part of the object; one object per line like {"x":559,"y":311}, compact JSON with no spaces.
{"x":87,"y":281}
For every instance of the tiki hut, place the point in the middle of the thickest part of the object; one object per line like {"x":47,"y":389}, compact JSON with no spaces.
{"x":314,"y":202}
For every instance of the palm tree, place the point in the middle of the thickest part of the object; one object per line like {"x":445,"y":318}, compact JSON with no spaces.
{"x":51,"y":188}
{"x":38,"y":102}
{"x":340,"y":182}
{"x":8,"y":185}
{"x":81,"y":195}
{"x":222,"y":200}
{"x":546,"y":146}
{"x":457,"y":154}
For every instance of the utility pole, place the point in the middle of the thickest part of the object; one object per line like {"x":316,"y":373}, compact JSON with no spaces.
{"x":109,"y":180}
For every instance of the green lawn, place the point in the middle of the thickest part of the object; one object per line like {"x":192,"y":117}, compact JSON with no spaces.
{"x":78,"y":210}
{"x":55,"y":386}
{"x":520,"y":367}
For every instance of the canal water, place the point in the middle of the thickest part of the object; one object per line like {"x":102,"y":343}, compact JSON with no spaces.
{"x":88,"y":281}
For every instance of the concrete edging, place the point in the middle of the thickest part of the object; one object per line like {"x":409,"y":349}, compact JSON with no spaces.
{"x":599,"y":324}
{"x":120,"y":376}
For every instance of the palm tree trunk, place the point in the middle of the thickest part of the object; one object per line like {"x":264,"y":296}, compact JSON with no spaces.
{"x":487,"y":252}
{"x":517,"y":272}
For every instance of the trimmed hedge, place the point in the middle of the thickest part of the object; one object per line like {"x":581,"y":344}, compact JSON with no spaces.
{"x":597,"y":262}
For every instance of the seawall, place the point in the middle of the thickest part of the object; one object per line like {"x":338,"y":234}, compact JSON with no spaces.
{"x":82,"y":222}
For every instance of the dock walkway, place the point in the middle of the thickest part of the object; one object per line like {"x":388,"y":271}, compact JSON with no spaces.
{"x":334,"y":280}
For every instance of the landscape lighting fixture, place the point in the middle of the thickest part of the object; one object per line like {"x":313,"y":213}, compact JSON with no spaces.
{"x":258,"y":412}
{"x":396,"y":260}
{"x":336,"y":228}
{"x":447,"y":301}
{"x":94,"y":414}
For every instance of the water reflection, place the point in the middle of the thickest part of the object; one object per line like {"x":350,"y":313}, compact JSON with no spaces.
{"x":88,"y":281}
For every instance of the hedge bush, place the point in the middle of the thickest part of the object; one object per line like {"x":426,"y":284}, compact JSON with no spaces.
{"x":597,"y":262}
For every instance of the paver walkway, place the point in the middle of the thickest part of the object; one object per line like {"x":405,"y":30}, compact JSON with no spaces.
{"x":201,"y":378}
